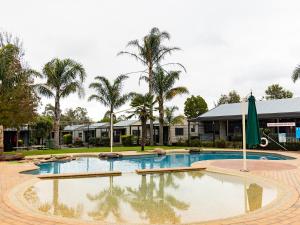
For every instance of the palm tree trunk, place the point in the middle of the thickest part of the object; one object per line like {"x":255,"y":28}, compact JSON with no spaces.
{"x":144,"y":133}
{"x":169,"y":134}
{"x":161,"y":121}
{"x":18,"y":135}
{"x":151,"y":109}
{"x":57,"y":122}
{"x":1,"y":139}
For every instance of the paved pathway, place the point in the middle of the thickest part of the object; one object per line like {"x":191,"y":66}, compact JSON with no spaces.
{"x":285,"y":211}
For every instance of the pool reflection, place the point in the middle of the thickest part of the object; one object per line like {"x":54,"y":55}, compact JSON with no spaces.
{"x":169,"y":198}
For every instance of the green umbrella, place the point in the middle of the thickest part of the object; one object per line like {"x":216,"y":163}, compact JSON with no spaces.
{"x":253,"y":135}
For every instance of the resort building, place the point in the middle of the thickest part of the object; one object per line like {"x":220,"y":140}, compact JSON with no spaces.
{"x":178,"y":132}
{"x":280,"y":118}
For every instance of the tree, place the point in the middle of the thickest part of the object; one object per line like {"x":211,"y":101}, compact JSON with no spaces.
{"x":106,"y":117}
{"x":171,"y":119}
{"x":150,"y":53}
{"x":142,"y":105}
{"x":78,"y":115}
{"x":163,"y":87}
{"x":296,"y":74}
{"x":64,"y":77}
{"x":42,"y":127}
{"x":194,"y":106}
{"x":275,"y":91}
{"x":49,"y":110}
{"x":110,"y":94}
{"x":18,"y":100}
{"x":232,"y":97}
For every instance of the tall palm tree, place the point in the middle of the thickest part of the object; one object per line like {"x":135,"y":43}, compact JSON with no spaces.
{"x":143,"y":105}
{"x":110,"y":94}
{"x":150,"y":53}
{"x":296,"y":74}
{"x":64,"y":77}
{"x":163,"y":87}
{"x":171,"y":119}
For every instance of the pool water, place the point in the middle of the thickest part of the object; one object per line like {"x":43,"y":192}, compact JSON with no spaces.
{"x":171,"y":198}
{"x":129,"y":164}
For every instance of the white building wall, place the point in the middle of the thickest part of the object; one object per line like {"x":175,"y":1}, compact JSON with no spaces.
{"x":98,"y":133}
{"x":193,"y":132}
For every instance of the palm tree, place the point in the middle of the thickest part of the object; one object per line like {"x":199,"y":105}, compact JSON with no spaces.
{"x":171,"y":119}
{"x":64,"y":77}
{"x":110,"y":94}
{"x":150,"y":53}
{"x":296,"y":74}
{"x":163,"y":87}
{"x":143,"y":104}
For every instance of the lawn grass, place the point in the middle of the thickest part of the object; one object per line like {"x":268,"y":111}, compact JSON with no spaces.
{"x":92,"y":149}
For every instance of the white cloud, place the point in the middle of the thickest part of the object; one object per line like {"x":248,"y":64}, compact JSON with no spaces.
{"x":226,"y":45}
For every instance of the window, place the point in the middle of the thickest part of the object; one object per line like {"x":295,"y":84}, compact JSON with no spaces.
{"x":193,"y":128}
{"x":136,"y":133}
{"x":178,"y":131}
{"x":80,"y":135}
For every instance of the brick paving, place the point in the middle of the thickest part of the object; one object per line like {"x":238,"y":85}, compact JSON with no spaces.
{"x":285,"y":210}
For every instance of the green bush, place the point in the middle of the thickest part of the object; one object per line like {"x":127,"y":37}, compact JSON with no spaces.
{"x":20,"y":142}
{"x":180,"y":142}
{"x":78,"y":142}
{"x":233,"y":144}
{"x":220,"y":143}
{"x":67,"y":139}
{"x":104,"y":141}
{"x":195,"y":143}
{"x":127,"y":140}
{"x":207,"y":144}
{"x":95,"y":141}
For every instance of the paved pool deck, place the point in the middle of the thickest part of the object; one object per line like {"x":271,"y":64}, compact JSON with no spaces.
{"x":283,"y":173}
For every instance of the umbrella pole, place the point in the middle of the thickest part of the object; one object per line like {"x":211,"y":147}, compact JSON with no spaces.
{"x":244,"y":135}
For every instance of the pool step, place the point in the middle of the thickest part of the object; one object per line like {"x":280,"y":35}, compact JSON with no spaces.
{"x":79,"y":175}
{"x":168,"y":170}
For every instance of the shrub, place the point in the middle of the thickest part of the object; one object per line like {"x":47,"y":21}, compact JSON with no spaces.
{"x":78,"y":142}
{"x":180,"y":142}
{"x":105,"y":141}
{"x":20,"y":142}
{"x":195,"y":143}
{"x":95,"y":141}
{"x":208,"y":144}
{"x":67,"y":139}
{"x":127,"y":140}
{"x":220,"y":143}
{"x":233,"y":144}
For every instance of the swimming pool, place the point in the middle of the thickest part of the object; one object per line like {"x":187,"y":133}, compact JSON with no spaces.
{"x":131,"y":163}
{"x":171,"y":198}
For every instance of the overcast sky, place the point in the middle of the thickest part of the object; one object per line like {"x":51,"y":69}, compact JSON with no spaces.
{"x":226,"y":44}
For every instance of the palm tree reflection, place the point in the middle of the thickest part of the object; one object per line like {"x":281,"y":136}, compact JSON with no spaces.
{"x":153,"y":203}
{"x":108,"y":202}
{"x":56,"y":207}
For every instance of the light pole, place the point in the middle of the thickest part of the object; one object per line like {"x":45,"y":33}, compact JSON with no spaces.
{"x":244,"y":134}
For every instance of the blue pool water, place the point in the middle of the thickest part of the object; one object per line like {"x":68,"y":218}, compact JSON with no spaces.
{"x":129,"y":164}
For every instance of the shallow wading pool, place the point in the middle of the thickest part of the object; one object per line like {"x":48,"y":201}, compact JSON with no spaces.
{"x":170,"y":198}
{"x":131,"y":163}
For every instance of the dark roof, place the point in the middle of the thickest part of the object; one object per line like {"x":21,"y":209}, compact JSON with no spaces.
{"x":279,"y":108}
